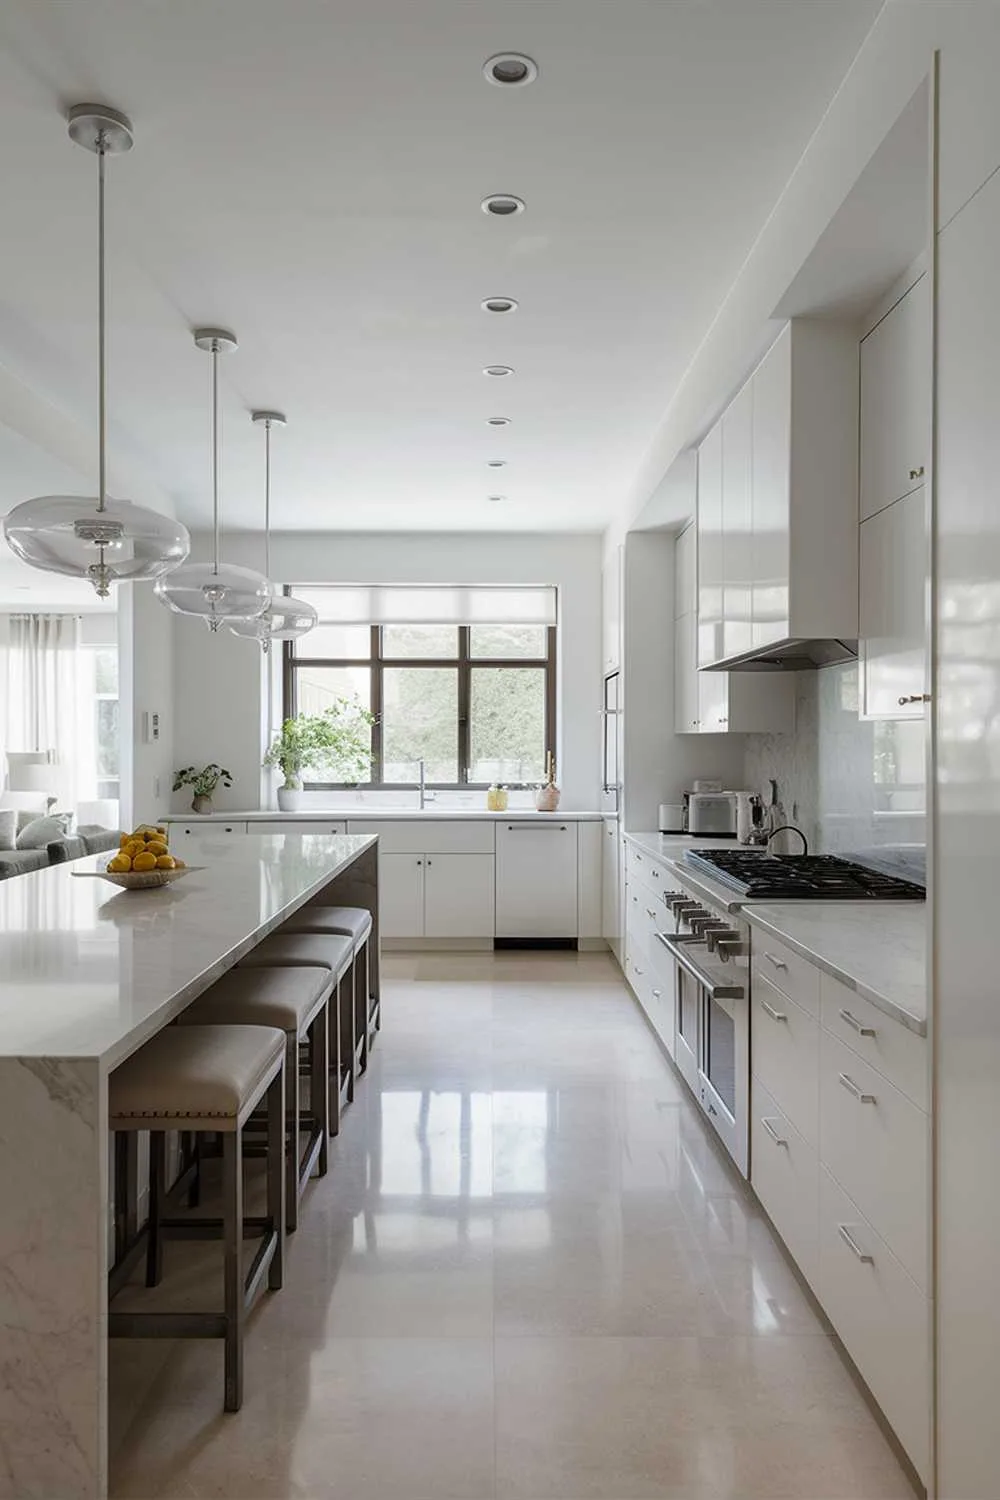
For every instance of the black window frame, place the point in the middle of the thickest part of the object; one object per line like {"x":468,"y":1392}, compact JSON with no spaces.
{"x":464,"y":663}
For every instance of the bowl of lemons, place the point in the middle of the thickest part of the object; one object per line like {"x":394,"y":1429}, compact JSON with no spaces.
{"x":144,"y":861}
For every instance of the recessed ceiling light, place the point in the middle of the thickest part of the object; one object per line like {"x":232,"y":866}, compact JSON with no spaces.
{"x":503,"y":205}
{"x":498,"y":421}
{"x":493,"y":499}
{"x":510,"y":69}
{"x":496,"y":463}
{"x":498,"y":371}
{"x":499,"y":305}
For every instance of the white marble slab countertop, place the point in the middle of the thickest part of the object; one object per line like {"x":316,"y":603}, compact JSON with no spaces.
{"x":876,"y":948}
{"x":668,"y":846}
{"x":388,"y":814}
{"x":88,"y":970}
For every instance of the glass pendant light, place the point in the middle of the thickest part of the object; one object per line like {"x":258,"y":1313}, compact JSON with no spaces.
{"x":107,"y":541}
{"x":218,"y":593}
{"x":285,"y":618}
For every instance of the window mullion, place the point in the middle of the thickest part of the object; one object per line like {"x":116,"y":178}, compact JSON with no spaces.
{"x":464,"y":702}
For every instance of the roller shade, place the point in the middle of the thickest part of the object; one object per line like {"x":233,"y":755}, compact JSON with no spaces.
{"x":431,"y":604}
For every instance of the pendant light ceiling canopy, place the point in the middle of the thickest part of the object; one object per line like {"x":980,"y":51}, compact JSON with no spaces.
{"x":285,"y":618}
{"x":218,"y":593}
{"x":104,"y":540}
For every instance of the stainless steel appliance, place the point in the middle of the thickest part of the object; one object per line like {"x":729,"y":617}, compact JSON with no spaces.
{"x":710,"y":950}
{"x":710,"y":814}
{"x":758,"y":876}
{"x":611,"y":751}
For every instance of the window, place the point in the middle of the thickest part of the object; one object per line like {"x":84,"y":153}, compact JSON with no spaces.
{"x":475,"y":703}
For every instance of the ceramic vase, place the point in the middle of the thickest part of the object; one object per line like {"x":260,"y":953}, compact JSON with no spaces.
{"x":202,"y":805}
{"x":547,"y":797}
{"x":290,"y":798}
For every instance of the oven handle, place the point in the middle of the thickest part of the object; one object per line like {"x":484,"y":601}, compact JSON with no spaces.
{"x":675,"y":946}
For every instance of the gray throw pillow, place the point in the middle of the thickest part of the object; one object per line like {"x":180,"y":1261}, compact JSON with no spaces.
{"x":42,"y":831}
{"x":8,"y":828}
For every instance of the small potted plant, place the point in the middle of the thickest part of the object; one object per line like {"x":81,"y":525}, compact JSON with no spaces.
{"x":335,"y":743}
{"x":202,"y":784}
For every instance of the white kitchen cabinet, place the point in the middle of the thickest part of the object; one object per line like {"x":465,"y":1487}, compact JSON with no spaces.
{"x":894,"y":560}
{"x":206,"y":830}
{"x":895,"y":401}
{"x":737,"y":524}
{"x":295,"y":825}
{"x":536,"y":875}
{"x":802,"y":565}
{"x":611,"y":884}
{"x":686,"y":678}
{"x":686,"y":572}
{"x":458,"y":895}
{"x":710,"y":565}
{"x":401,"y":895}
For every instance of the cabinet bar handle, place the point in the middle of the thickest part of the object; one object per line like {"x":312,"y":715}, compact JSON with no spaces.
{"x":535,"y":827}
{"x":637,"y":969}
{"x":852,"y":1088}
{"x":914,"y":698}
{"x":845,"y":1015}
{"x":769,"y":1010}
{"x":853,"y":1246}
{"x":650,"y":912}
{"x":917,"y":473}
{"x":657,"y":994}
{"x":778,"y":1140}
{"x":778,"y":963}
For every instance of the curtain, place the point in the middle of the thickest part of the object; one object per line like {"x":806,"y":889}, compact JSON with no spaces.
{"x":46,"y":703}
{"x":432,"y":604}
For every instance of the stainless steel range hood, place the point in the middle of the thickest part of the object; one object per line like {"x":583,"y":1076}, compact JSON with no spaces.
{"x":789,"y":656}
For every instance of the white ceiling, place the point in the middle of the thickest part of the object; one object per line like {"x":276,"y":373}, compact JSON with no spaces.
{"x":310,"y":174}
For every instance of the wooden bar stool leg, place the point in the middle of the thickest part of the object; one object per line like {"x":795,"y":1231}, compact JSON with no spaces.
{"x":348,"y":1035}
{"x":121,"y":1191}
{"x":232,"y":1221}
{"x":335,"y":1045}
{"x":276,"y":1178}
{"x":293,"y":1153}
{"x":360,"y":1017}
{"x":157,"y":1184}
{"x":319,"y":1084}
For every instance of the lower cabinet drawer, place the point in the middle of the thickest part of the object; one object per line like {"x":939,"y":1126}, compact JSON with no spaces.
{"x":792,"y":973}
{"x":784,"y":1043}
{"x":643,"y":912}
{"x":881,"y":1315}
{"x":784,"y":1173}
{"x":876,"y":1144}
{"x":206,"y":829}
{"x":884,"y":1043}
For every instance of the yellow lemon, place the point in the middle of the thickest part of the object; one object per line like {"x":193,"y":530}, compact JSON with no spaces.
{"x":157,"y":847}
{"x":120,"y":865}
{"x":144,"y":861}
{"x":165,"y":862}
{"x":179,"y":864}
{"x":134,"y":847}
{"x":124,"y":840}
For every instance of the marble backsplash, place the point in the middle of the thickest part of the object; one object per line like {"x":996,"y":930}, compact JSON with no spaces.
{"x":848,"y":783}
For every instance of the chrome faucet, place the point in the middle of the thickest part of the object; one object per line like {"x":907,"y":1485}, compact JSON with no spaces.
{"x":425,"y":795}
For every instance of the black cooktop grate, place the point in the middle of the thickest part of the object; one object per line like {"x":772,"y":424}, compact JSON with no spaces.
{"x":811,"y":877}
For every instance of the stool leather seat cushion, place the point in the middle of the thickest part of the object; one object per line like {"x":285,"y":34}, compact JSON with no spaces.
{"x":310,"y":949}
{"x":189,"y":1073}
{"x":288,"y":998}
{"x":354,"y":921}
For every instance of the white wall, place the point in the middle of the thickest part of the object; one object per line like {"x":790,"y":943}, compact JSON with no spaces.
{"x":220,"y":687}
{"x":146,"y":686}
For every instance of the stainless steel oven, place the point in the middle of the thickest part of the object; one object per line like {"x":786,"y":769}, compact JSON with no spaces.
{"x":711,"y":954}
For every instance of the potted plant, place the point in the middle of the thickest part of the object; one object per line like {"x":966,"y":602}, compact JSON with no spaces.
{"x":334,"y":743}
{"x":202,"y":784}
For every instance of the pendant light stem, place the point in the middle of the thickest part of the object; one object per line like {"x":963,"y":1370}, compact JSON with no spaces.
{"x":215,"y":445}
{"x":102,"y":366}
{"x":267,"y":499}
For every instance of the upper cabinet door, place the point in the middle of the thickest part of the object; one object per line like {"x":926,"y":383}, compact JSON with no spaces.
{"x":710,"y":553}
{"x":895,"y":401}
{"x":737,"y":516}
{"x":772,"y":416}
{"x":686,"y":676}
{"x":893,"y":646}
{"x":685,"y":573}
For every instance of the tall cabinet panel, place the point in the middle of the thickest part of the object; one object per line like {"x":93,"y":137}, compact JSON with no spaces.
{"x":893,"y":625}
{"x":737,"y":524}
{"x":895,"y":401}
{"x":711,"y":572}
{"x":772,"y":415}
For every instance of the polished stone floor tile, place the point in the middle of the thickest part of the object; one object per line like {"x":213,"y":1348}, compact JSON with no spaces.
{"x":530,"y":1274}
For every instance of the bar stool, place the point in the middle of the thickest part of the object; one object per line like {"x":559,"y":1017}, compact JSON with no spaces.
{"x":295,"y":1000}
{"x":356,"y":923}
{"x":199,"y":1079}
{"x":313,"y":950}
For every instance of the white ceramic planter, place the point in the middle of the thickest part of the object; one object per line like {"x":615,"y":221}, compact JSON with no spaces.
{"x":291,"y":799}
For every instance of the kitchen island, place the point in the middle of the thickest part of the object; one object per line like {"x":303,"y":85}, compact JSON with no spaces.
{"x":88,"y":974}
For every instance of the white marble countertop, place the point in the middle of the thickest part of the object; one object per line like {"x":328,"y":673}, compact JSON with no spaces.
{"x":667,"y":846}
{"x":388,"y":814}
{"x":876,"y":948}
{"x":91,"y":971}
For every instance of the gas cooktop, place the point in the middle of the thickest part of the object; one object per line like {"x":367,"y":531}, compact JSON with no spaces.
{"x":799,"y":877}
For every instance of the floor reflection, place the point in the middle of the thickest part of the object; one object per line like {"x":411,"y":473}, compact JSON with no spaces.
{"x":530,"y":1272}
